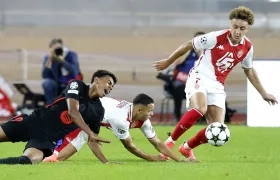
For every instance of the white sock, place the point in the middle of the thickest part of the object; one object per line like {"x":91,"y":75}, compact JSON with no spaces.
{"x":186,"y":146}
{"x":170,"y":140}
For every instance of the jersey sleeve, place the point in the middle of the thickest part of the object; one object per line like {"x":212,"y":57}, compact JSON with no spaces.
{"x":247,"y":62}
{"x":119,"y":126}
{"x":148,"y":129}
{"x":206,"y":41}
{"x":73,"y":89}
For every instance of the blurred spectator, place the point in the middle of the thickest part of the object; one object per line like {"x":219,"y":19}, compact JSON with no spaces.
{"x":180,"y":74}
{"x":59,"y":66}
{"x":7,"y":108}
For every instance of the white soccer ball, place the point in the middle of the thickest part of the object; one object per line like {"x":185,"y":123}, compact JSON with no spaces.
{"x":217,"y":134}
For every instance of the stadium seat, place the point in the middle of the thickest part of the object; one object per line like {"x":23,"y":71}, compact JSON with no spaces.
{"x":30,"y":100}
{"x":165,"y":105}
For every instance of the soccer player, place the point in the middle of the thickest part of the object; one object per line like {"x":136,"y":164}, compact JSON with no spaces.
{"x":78,"y":106}
{"x":221,"y":51}
{"x":120,"y":116}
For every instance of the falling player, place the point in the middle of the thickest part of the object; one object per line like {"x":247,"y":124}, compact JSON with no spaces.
{"x":78,"y":106}
{"x":119,"y":116}
{"x":221,"y":51}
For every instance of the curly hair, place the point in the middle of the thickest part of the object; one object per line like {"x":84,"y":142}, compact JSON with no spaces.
{"x":242,"y":13}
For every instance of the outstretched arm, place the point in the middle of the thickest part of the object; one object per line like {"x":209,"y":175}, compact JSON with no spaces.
{"x":131,"y":147}
{"x":96,"y":149}
{"x":162,"y":148}
{"x":254,"y":79}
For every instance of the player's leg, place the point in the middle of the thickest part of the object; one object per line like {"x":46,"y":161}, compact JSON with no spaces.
{"x":74,"y":146}
{"x":198,"y":109}
{"x":14,"y":130}
{"x":33,"y":154}
{"x":215,"y":113}
{"x":71,"y":144}
{"x":3,"y":136}
{"x":67,"y":152}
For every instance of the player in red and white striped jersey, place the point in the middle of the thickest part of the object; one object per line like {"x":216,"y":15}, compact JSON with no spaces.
{"x":120,"y":116}
{"x":221,"y":51}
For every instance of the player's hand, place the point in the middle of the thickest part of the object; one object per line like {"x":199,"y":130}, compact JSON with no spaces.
{"x":94,"y":137}
{"x":270,"y":99}
{"x":161,"y":65}
{"x":157,"y":158}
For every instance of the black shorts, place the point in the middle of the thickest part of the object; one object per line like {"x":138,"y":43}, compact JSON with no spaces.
{"x":24,"y":128}
{"x":47,"y":147}
{"x":18,"y":128}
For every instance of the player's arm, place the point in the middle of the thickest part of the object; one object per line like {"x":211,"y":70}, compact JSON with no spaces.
{"x":251,"y":73}
{"x":162,"y":148}
{"x":72,"y":91}
{"x":131,"y":147}
{"x":121,"y":131}
{"x":199,"y":43}
{"x":96,"y":150}
{"x":150,"y":133}
{"x":183,"y":49}
{"x":254,"y":79}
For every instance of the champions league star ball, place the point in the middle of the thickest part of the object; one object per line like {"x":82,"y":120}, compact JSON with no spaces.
{"x":217,"y":134}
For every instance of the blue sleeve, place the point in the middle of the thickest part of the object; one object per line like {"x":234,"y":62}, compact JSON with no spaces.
{"x":46,"y":72}
{"x":71,"y":63}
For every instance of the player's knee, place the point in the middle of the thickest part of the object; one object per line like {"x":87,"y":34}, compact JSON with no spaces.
{"x":202,"y":109}
{"x":24,"y":160}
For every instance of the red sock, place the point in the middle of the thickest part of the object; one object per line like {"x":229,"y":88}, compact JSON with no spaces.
{"x":198,"y":139}
{"x":186,"y":122}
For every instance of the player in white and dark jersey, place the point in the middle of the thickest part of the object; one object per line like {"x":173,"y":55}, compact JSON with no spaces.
{"x":120,"y":116}
{"x":78,"y":106}
{"x":221,"y":51}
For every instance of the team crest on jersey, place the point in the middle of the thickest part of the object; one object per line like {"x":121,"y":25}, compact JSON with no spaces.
{"x":203,"y":40}
{"x":73,"y":85}
{"x":240,"y":53}
{"x":121,"y":131}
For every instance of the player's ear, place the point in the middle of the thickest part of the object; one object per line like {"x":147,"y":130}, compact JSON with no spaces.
{"x":96,"y":80}
{"x":139,"y":110}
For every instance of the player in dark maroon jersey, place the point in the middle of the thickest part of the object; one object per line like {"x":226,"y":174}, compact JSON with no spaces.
{"x":78,"y":106}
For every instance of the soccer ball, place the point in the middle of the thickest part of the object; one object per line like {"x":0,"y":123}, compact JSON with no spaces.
{"x":217,"y":134}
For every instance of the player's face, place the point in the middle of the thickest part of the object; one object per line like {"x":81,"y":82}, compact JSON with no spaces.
{"x":104,"y":85}
{"x":238,"y":28}
{"x":145,"y":112}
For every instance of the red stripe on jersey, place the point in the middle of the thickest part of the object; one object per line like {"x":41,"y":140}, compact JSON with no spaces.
{"x":193,"y":44}
{"x":56,"y":101}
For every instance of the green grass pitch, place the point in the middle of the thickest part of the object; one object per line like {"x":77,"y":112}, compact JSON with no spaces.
{"x":251,"y":154}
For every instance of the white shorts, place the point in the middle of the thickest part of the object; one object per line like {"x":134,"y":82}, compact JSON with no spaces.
{"x":213,"y":90}
{"x":77,"y":138}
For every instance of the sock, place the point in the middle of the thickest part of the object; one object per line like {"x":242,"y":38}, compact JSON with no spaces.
{"x":197,"y":140}
{"x":186,"y":122}
{"x":169,"y":139}
{"x":16,"y":160}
